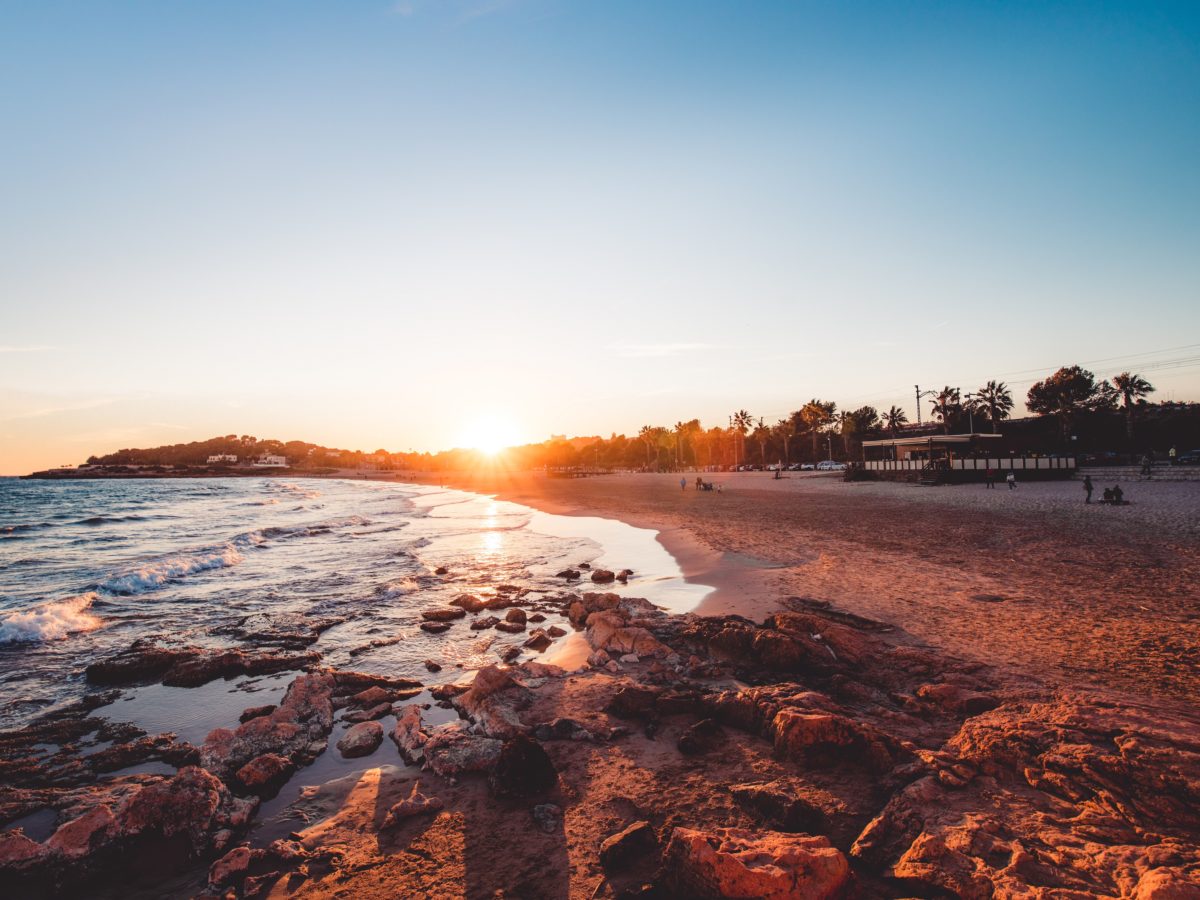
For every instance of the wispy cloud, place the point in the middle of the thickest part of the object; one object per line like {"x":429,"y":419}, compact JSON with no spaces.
{"x":644,"y":351}
{"x":24,"y":348}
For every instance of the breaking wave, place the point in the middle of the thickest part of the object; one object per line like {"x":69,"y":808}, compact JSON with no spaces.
{"x":50,"y":621}
{"x":152,"y":575}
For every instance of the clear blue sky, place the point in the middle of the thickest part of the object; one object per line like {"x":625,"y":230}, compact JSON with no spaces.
{"x":373,"y":224}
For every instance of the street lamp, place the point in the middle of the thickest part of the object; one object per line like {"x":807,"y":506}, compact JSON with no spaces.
{"x":921,"y":395}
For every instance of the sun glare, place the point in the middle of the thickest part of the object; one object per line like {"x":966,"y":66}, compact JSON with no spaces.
{"x":490,"y":434}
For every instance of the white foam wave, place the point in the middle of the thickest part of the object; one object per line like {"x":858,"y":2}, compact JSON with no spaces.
{"x":50,"y":621}
{"x":152,"y":575}
{"x":292,"y":487}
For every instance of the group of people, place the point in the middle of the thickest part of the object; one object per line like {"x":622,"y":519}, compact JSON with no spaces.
{"x":1113,"y":495}
{"x":989,"y":477}
{"x":701,"y":485}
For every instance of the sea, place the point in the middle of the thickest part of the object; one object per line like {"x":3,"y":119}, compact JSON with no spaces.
{"x":88,"y":567}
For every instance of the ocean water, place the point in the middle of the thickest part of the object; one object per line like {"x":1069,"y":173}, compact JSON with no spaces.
{"x":88,"y":567}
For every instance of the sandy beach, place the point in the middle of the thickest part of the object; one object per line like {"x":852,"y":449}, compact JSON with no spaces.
{"x":1031,"y":579}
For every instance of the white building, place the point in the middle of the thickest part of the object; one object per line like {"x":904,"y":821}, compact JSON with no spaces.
{"x":222,"y":458}
{"x":270,"y":462}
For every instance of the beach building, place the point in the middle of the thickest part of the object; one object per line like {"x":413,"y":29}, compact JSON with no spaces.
{"x":270,"y":462}
{"x":217,"y":458}
{"x":958,"y":458}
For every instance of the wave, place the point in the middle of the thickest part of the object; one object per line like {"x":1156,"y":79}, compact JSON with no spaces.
{"x":19,"y":529}
{"x":152,"y":575}
{"x":133,"y":517}
{"x":293,"y":488}
{"x":50,"y":621}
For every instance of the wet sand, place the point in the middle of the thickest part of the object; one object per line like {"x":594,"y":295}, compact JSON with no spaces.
{"x":1031,"y":580}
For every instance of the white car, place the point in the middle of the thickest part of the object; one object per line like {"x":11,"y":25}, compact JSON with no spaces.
{"x":830,"y":465}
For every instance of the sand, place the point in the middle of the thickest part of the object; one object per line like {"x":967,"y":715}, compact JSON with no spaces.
{"x":1031,"y":580}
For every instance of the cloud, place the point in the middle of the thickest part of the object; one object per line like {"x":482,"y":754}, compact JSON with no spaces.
{"x":645,"y":351}
{"x":26,"y":348}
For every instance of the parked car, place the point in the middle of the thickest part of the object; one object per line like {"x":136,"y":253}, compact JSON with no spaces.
{"x":808,"y":467}
{"x":1188,"y":458}
{"x":829,"y":465}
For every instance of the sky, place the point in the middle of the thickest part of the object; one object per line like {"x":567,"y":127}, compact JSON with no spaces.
{"x":399,"y":224}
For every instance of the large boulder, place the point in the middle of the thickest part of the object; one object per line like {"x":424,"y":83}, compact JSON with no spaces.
{"x":297,"y":729}
{"x":265,"y":775}
{"x":451,"y":751}
{"x":361,"y":740}
{"x":494,"y":702}
{"x":610,"y":631}
{"x":618,"y":849}
{"x":767,"y":865}
{"x":819,"y":738}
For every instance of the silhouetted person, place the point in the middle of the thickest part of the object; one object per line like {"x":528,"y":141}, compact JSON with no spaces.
{"x":1146,"y":463}
{"x":989,"y":477}
{"x":1087,"y":486}
{"x":1118,"y":494}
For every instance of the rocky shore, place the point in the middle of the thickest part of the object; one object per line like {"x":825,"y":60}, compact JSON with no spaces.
{"x":813,"y":754}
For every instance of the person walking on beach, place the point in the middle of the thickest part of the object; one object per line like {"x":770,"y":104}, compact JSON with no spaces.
{"x":682,"y":483}
{"x":1087,"y":486}
{"x":1147,"y":462}
{"x":1012,"y":481}
{"x":1171,"y":454}
{"x":989,"y":477}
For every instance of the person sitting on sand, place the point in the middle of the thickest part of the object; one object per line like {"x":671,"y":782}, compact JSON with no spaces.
{"x":1118,"y":495}
{"x":1107,"y":498}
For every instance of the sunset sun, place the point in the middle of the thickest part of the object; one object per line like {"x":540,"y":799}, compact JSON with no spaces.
{"x":489,"y":434}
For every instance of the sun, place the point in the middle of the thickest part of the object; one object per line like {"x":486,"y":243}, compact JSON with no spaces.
{"x":489,"y":434}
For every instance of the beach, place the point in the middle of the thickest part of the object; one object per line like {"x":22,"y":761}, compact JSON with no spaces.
{"x":1031,"y":579}
{"x":836,"y":690}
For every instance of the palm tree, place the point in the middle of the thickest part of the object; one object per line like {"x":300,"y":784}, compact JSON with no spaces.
{"x":893,"y":419}
{"x":761,"y":435}
{"x":946,"y":404}
{"x":995,"y":401}
{"x":784,"y":429}
{"x":742,"y":422}
{"x":816,"y":414}
{"x":648,"y":436}
{"x":1131,"y":388}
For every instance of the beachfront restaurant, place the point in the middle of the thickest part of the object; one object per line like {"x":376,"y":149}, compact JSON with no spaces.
{"x":957,"y":457}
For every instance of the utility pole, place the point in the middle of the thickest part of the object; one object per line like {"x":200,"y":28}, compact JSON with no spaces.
{"x":920,"y":395}
{"x":970,"y":410}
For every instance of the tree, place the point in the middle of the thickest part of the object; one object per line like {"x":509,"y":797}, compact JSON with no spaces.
{"x":894,"y":418}
{"x":784,"y":430}
{"x":1067,"y":393}
{"x":1131,"y":388}
{"x":648,"y":437}
{"x":816,"y":415}
{"x":761,"y":435}
{"x":995,"y":401}
{"x":947,"y":407}
{"x":742,"y":422}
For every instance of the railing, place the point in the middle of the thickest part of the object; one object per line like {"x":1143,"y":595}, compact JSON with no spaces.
{"x":1018,"y":463}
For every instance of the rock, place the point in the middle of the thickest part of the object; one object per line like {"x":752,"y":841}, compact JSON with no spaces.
{"x":548,"y":817}
{"x":538,"y":640}
{"x":233,"y":866}
{"x":469,"y":602}
{"x":523,"y":769}
{"x":584,"y":565}
{"x":700,"y":738}
{"x":624,"y":575}
{"x":435,"y":627}
{"x":409,"y":734}
{"x":81,"y":837}
{"x":443,"y":615}
{"x":537,"y":617}
{"x":446,"y":691}
{"x":347,"y":682}
{"x":780,"y":805}
{"x":821,"y":739}
{"x":735,"y":862}
{"x":1167,"y":884}
{"x":510,"y":627}
{"x":555,"y":631}
{"x":18,"y":853}
{"x":451,"y":751}
{"x":618,"y":849}
{"x":630,"y":658}
{"x":516,"y":615}
{"x":632,"y":701}
{"x":415,"y":804}
{"x":265,"y":775}
{"x":602,"y":576}
{"x":372,"y":696}
{"x":609,"y":631}
{"x":189,"y":666}
{"x":509,"y":654}
{"x":500,"y":601}
{"x":569,"y":574}
{"x":485,"y":622}
{"x":441,"y":570}
{"x":534,"y":669}
{"x":303,"y":717}
{"x":433,"y":666}
{"x":367,"y":715}
{"x":361,"y":740}
{"x":493,"y":702}
{"x":254,"y":712}
{"x":562,"y":729}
